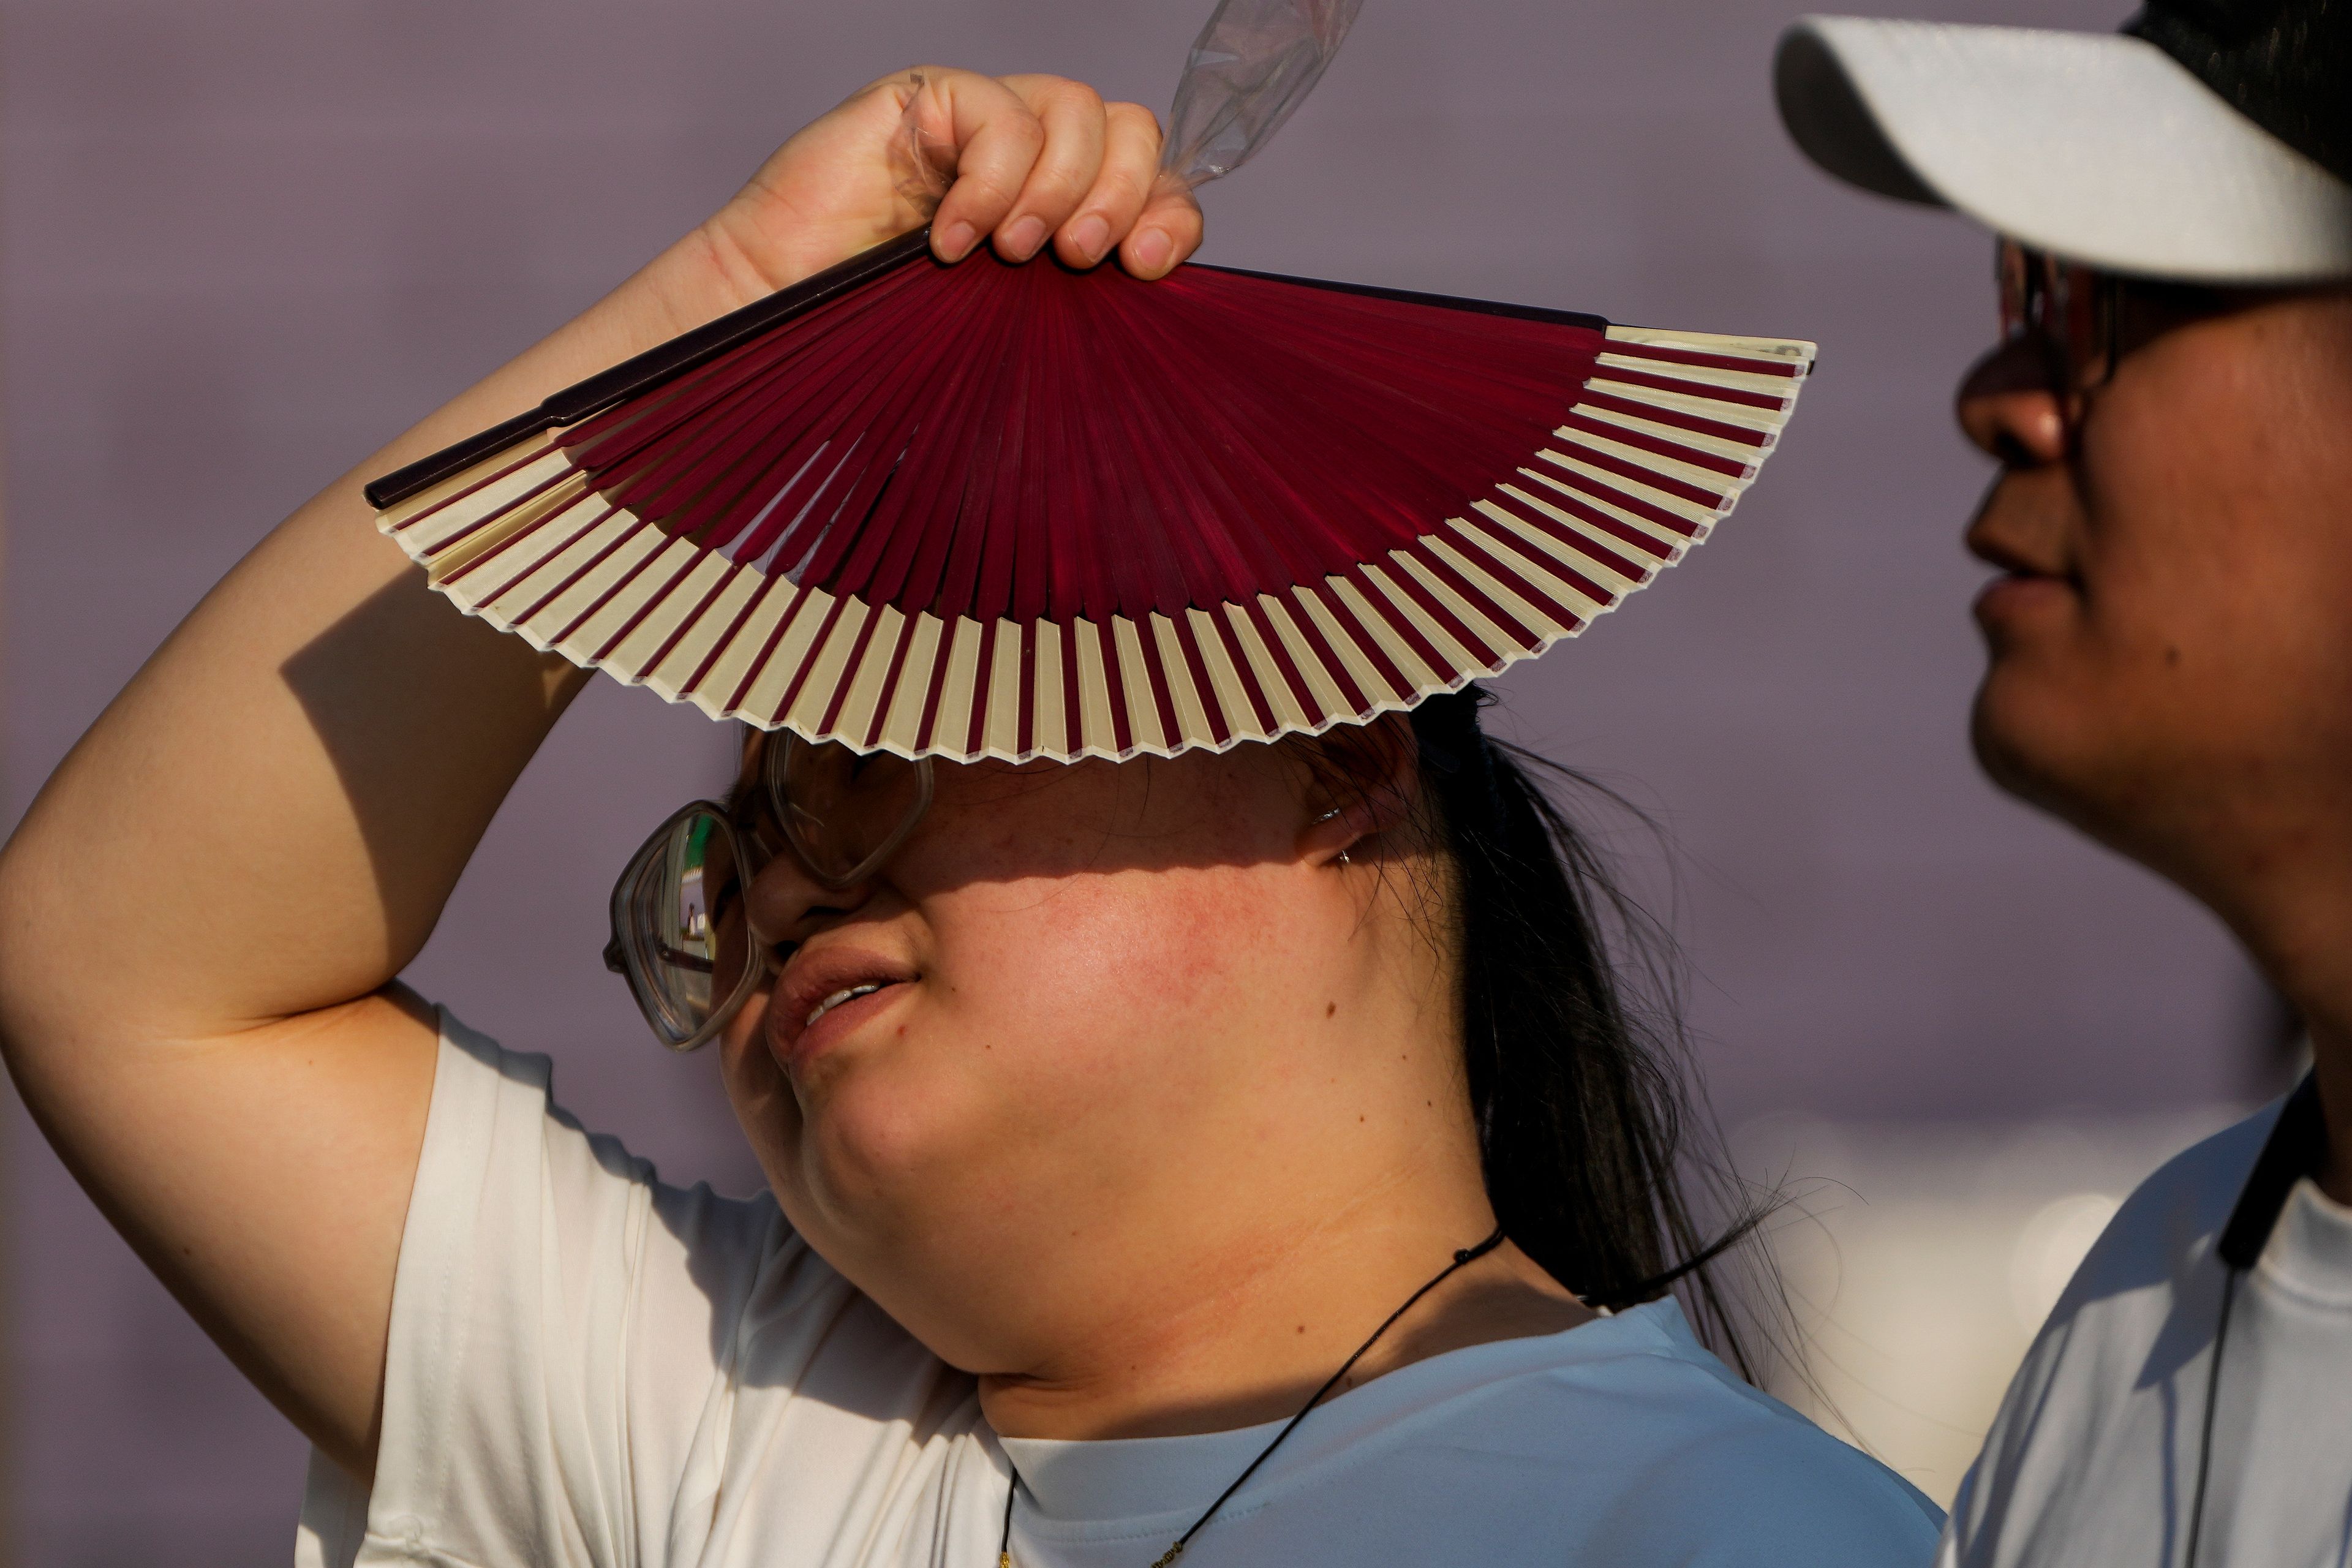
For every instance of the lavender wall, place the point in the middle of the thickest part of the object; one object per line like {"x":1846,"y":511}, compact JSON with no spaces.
{"x":245,"y":241}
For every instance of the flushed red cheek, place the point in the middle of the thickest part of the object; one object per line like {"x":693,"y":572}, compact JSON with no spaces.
{"x":1108,"y":958}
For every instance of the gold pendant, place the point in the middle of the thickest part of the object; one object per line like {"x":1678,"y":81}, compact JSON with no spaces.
{"x":1169,"y":1556}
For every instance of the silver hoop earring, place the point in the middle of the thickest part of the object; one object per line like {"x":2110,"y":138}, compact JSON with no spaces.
{"x":1326,"y":816}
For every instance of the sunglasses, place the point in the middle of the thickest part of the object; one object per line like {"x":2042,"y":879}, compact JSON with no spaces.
{"x":681,"y":931}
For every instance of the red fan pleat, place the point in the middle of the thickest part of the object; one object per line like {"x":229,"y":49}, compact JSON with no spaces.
{"x":1345,"y":421}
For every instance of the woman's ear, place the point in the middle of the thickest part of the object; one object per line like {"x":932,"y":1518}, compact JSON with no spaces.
{"x":1367,"y":782}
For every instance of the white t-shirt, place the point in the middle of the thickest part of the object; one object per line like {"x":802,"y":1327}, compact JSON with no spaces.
{"x":2094,"y":1456}
{"x":590,"y":1368}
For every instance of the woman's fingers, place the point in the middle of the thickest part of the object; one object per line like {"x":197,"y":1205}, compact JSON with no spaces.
{"x":1022,"y":160}
{"x":991,"y":137}
{"x":1071,"y":115}
{"x":1042,"y":157}
{"x":1130,"y":160}
{"x":1168,"y":232}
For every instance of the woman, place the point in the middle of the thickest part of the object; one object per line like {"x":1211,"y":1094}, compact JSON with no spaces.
{"x":1107,"y":1109}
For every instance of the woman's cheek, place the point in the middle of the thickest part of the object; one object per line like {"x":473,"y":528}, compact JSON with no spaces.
{"x":1109,"y":955}
{"x":756,"y":1087}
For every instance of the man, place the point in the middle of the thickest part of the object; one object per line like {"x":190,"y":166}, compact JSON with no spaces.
{"x":2170,"y":670}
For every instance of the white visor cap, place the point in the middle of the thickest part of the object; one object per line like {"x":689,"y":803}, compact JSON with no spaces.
{"x":2094,"y":146}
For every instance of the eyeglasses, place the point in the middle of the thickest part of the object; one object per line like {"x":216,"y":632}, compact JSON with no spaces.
{"x":2072,"y":309}
{"x":681,"y":928}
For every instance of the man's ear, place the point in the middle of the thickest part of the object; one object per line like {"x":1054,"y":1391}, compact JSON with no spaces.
{"x":1368,"y":784}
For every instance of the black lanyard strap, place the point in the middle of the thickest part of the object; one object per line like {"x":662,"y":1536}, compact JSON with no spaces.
{"x":2295,"y":1149}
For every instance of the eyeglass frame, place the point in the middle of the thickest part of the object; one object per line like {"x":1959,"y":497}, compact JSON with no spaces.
{"x":2128,"y":312}
{"x":2025,"y":277}
{"x":621,"y":957}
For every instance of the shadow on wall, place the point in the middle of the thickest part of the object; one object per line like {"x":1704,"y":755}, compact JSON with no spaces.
{"x":1921,"y":1261}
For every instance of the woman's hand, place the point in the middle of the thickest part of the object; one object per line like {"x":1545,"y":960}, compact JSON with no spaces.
{"x":1020,"y":159}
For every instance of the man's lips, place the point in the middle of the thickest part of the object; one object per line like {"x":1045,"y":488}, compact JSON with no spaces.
{"x":2014,"y":558}
{"x":2031,"y":580}
{"x":822,"y":994}
{"x":2020,"y":594}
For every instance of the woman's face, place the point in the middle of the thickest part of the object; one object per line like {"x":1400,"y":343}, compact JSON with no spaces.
{"x":1081,"y":995}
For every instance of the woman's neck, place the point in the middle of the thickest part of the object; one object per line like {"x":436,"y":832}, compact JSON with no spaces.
{"x":1253,"y":1347}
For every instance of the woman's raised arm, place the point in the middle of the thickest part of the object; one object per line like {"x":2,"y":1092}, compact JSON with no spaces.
{"x":202,"y":915}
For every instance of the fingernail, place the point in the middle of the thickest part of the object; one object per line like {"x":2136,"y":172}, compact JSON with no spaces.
{"x":1022,"y":240}
{"x":957,"y":240}
{"x":1152,"y":248}
{"x":1090,"y":236}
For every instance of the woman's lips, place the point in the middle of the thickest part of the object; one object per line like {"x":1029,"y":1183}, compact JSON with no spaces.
{"x":798,"y":1040}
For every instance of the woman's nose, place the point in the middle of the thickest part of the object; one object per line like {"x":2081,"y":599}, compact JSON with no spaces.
{"x":787,"y":903}
{"x":2008,"y":408}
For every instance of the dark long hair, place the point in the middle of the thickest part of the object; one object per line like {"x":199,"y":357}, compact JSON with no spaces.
{"x":1592,"y":1139}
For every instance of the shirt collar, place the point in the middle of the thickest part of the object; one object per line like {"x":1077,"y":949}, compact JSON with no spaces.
{"x":2295,"y":1149}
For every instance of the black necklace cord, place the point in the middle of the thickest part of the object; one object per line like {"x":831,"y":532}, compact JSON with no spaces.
{"x":2212,"y":1400}
{"x":1462,"y":1260}
{"x":1004,"y":1541}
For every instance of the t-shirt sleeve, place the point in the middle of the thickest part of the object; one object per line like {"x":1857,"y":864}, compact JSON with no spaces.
{"x":560,"y":1325}
{"x":2135,"y":1316}
{"x":1733,"y":1478}
{"x":1778,"y":1495}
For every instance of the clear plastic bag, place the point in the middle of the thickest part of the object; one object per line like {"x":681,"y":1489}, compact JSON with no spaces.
{"x":1254,"y":64}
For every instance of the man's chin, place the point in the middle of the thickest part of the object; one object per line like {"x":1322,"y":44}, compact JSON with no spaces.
{"x":2031,"y":749}
{"x":2169,"y":782}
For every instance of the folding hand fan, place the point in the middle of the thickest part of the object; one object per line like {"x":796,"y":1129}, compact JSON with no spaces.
{"x":1018,"y":512}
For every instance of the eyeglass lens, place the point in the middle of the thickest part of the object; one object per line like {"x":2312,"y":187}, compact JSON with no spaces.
{"x":679,"y":915}
{"x":2069,"y":307}
{"x":680,"y":929}
{"x":844,"y":812}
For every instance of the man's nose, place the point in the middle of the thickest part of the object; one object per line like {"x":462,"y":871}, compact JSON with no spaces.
{"x":2007,"y":407}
